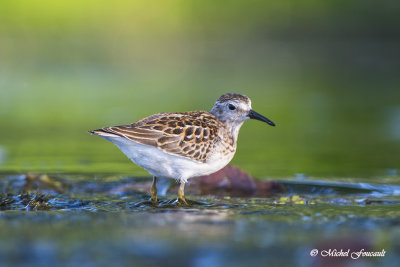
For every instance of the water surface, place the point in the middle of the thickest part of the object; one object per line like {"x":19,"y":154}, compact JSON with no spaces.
{"x":94,"y":221}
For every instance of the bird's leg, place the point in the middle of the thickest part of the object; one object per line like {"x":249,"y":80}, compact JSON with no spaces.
{"x":181,"y":194}
{"x":153,"y":190}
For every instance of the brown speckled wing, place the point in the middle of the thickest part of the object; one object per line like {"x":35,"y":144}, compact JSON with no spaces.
{"x":188,"y":134}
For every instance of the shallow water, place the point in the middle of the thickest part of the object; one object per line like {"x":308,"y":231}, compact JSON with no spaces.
{"x":93,"y":220}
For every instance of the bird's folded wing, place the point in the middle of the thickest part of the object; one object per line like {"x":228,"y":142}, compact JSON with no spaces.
{"x":176,"y":134}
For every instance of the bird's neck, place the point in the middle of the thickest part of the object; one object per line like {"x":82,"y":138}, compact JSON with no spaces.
{"x":233,"y":131}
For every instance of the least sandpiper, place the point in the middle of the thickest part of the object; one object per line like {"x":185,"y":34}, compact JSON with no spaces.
{"x":183,"y":145}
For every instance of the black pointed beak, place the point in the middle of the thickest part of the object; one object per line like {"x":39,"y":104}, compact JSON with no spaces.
{"x":256,"y":116}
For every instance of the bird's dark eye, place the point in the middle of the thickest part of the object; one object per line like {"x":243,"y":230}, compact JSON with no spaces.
{"x":231,"y":107}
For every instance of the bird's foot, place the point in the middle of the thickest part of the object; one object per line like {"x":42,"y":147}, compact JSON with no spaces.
{"x":154,"y":202}
{"x":181,"y":202}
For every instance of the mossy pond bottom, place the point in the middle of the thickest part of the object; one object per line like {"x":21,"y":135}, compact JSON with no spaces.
{"x":91,"y":220}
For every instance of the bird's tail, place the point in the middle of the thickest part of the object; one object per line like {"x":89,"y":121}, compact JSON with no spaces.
{"x":104,"y":132}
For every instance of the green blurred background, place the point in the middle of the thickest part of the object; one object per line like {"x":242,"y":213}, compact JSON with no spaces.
{"x":327,"y":72}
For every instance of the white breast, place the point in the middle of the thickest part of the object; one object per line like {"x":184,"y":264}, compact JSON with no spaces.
{"x":161,"y":164}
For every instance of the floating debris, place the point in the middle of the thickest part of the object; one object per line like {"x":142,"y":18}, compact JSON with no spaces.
{"x":231,"y":181}
{"x":39,"y":183}
{"x":27,"y":201}
{"x":296,"y":200}
{"x":6,"y":200}
{"x":36,"y":202}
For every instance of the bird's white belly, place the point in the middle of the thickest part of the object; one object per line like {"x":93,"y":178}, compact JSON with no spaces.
{"x":161,"y":164}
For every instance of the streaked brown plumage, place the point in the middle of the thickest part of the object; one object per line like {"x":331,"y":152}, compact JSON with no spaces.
{"x":189,"y":134}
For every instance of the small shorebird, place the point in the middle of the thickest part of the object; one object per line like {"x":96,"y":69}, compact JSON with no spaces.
{"x":183,"y":145}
